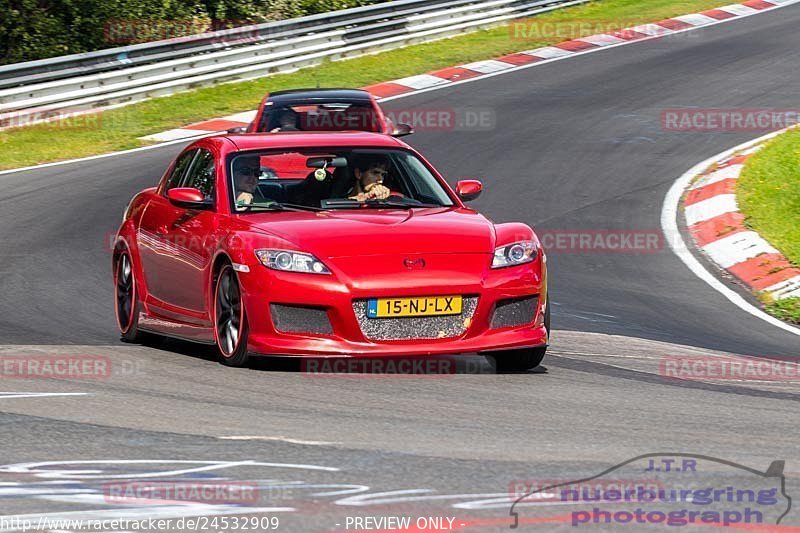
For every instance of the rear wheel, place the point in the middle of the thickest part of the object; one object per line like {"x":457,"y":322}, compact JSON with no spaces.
{"x":230,"y":322}
{"x":127,"y":299}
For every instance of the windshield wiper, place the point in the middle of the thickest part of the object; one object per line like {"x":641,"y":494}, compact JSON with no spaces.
{"x":276,"y":206}
{"x":399,"y":203}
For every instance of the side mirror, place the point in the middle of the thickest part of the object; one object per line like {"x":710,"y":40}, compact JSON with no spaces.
{"x":468,"y":190}
{"x":402,"y":129}
{"x":238,"y":129}
{"x":188,"y":197}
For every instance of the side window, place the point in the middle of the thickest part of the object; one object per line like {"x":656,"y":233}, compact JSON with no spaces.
{"x":179,"y":171}
{"x":203,"y":174}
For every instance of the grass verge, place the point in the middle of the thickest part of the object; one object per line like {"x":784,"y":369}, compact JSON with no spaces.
{"x":119,"y":129}
{"x":768,"y":193}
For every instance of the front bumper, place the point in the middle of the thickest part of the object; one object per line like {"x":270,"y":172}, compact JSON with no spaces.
{"x":340,"y":302}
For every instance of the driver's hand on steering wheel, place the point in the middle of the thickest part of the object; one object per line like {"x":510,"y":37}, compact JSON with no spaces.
{"x":373,"y":191}
{"x":243,"y":200}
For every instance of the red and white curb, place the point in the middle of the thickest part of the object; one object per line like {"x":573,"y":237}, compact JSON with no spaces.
{"x":452,"y":75}
{"x":208,"y":127}
{"x":711,"y":224}
{"x":717,"y":227}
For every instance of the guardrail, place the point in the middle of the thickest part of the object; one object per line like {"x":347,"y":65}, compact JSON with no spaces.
{"x":38,"y":90}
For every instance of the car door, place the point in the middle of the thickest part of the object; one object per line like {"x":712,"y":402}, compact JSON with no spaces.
{"x":183,"y":243}
{"x":154,"y":250}
{"x":190,"y":232}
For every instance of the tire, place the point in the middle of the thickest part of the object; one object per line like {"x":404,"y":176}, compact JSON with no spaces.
{"x":547,"y":318}
{"x":523,"y":359}
{"x":127,"y":305}
{"x":520,"y":360}
{"x":230,"y":322}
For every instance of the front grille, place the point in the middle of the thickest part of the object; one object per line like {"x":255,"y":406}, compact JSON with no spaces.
{"x":516,"y":312}
{"x":418,"y":327}
{"x":298,"y":319}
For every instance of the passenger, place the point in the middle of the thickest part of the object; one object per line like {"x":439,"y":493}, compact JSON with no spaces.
{"x":245,"y":179}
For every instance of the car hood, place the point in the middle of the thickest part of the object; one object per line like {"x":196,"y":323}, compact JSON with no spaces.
{"x":361,"y":232}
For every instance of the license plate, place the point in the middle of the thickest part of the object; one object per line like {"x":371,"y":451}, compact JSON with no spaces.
{"x":416,"y":306}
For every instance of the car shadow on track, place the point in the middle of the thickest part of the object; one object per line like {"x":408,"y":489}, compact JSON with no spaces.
{"x":397,"y":365}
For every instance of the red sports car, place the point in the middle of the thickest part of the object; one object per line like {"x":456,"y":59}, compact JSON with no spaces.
{"x":345,"y":244}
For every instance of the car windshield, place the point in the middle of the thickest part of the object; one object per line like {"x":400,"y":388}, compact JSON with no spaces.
{"x":329,"y":116}
{"x":333,"y":179}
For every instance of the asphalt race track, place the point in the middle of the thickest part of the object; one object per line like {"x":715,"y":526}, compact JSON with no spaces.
{"x":577,"y":145}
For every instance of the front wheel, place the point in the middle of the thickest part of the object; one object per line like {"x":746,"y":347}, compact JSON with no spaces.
{"x":519,"y":360}
{"x":230,"y":321}
{"x":127,"y":299}
{"x":522,"y":359}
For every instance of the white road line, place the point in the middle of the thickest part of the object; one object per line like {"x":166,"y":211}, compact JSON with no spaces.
{"x":9,"y":395}
{"x":669,"y":225}
{"x":99,"y":156}
{"x":754,"y":149}
{"x":279,"y":439}
{"x":40,"y":470}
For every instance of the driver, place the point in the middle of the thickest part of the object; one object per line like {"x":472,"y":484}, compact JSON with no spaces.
{"x":370,"y":172}
{"x":245,"y":181}
{"x":287,"y":121}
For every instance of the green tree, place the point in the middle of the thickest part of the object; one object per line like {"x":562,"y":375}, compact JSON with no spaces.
{"x":38,"y":29}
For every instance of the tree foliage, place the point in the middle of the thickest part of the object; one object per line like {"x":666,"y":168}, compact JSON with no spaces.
{"x":38,"y":29}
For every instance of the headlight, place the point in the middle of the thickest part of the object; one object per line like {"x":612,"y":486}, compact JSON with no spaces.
{"x":517,"y":253}
{"x":289,"y":261}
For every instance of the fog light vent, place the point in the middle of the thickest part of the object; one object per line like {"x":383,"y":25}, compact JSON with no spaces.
{"x":298,"y":319}
{"x":515,"y":312}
